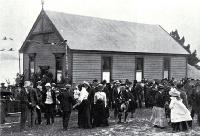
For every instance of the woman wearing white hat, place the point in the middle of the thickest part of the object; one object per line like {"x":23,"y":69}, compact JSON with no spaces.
{"x":179,"y":113}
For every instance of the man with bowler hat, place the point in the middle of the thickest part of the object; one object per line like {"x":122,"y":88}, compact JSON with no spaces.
{"x":66,"y":100}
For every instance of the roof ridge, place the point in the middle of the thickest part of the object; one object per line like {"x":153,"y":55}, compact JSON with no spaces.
{"x":106,"y":19}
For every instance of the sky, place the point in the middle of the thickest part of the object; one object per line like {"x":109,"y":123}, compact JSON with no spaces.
{"x":18,"y":16}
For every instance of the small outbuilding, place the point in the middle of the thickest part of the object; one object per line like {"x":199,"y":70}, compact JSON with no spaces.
{"x":80,"y":48}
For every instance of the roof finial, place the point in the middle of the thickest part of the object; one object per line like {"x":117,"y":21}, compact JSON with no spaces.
{"x":42,"y":2}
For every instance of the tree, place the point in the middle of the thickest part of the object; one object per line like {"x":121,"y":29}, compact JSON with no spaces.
{"x":182,"y":41}
{"x":188,"y":48}
{"x":192,"y":57}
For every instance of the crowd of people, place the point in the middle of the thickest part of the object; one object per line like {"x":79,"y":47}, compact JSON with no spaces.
{"x":170,"y":101}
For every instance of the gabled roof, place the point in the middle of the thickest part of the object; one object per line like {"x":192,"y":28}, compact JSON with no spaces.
{"x":91,"y":33}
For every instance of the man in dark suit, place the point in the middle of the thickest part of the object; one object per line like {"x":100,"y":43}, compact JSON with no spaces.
{"x":23,"y":107}
{"x":116,"y":98}
{"x":28,"y":102}
{"x":40,"y":106}
{"x":66,"y":99}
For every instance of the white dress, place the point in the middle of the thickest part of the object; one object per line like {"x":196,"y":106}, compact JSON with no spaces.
{"x":179,"y":112}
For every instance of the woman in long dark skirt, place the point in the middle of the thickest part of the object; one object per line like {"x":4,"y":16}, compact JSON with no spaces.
{"x":84,"y":115}
{"x":100,"y":113}
{"x":83,"y":107}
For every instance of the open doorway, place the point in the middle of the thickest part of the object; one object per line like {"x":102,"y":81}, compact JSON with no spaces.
{"x":106,"y":68}
{"x":139,"y":69}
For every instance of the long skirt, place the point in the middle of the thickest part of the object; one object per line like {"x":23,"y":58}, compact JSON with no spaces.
{"x":158,"y":117}
{"x":132,"y":106}
{"x":100,"y":114}
{"x":84,"y":114}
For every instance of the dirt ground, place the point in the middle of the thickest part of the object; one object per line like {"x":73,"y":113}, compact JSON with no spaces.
{"x":137,"y":126}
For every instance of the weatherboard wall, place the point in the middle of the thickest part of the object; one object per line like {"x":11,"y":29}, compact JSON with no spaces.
{"x":153,"y":67}
{"x":178,"y":67}
{"x":87,"y":66}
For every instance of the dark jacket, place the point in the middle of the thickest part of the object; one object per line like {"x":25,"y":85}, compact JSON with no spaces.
{"x":53,"y":94}
{"x":39,"y":96}
{"x":116,"y":95}
{"x":93,"y":90}
{"x":23,"y":99}
{"x":183,"y":96}
{"x":159,"y":99}
{"x":28,"y":99}
{"x":196,"y":100}
{"x":66,"y":100}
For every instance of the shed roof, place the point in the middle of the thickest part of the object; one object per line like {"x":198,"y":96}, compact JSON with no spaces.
{"x":91,"y":33}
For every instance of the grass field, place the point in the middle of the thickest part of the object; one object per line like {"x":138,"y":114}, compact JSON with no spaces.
{"x":137,"y":126}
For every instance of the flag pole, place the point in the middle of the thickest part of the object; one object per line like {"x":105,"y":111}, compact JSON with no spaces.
{"x":19,"y":63}
{"x":42,"y":2}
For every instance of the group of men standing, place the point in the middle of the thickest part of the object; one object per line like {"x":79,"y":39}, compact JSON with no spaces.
{"x":35,"y":100}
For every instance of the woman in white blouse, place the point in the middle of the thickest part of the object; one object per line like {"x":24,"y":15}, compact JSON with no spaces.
{"x":100,"y":118}
{"x":83,"y":106}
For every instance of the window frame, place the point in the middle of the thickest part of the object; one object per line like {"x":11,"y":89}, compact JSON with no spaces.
{"x":107,"y":70}
{"x":31,"y":59}
{"x":141,"y":70}
{"x":169,"y":67}
{"x":60,"y":57}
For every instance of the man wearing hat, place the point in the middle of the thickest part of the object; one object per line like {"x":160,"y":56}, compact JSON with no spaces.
{"x":40,"y":106}
{"x":116,"y":95}
{"x":49,"y":100}
{"x":28,"y":101}
{"x":66,"y":100}
{"x":93,"y":90}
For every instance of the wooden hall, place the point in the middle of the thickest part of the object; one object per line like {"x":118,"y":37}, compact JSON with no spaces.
{"x":81,"y":48}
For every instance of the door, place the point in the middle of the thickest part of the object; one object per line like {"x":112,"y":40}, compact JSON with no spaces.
{"x":106,"y":68}
{"x":139,"y":69}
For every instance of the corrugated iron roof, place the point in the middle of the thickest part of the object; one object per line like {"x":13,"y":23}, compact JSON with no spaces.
{"x":91,"y":33}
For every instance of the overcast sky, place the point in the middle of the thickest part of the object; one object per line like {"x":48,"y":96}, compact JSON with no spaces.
{"x":18,"y":16}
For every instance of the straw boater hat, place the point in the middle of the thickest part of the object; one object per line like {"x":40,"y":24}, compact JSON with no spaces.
{"x":67,"y":86}
{"x":53,"y":84}
{"x":174,"y":92}
{"x":48,"y":84}
{"x":27,"y":83}
{"x":160,"y":87}
{"x":100,"y":87}
{"x":39,"y":81}
{"x":117,"y":82}
{"x":86,"y":83}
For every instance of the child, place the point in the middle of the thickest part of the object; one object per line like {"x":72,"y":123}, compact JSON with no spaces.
{"x":179,"y":113}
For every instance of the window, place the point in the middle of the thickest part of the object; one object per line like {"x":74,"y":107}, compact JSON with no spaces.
{"x":166,"y":67}
{"x":59,"y":67}
{"x":106,"y":68}
{"x":139,"y":69}
{"x":31,"y":64}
